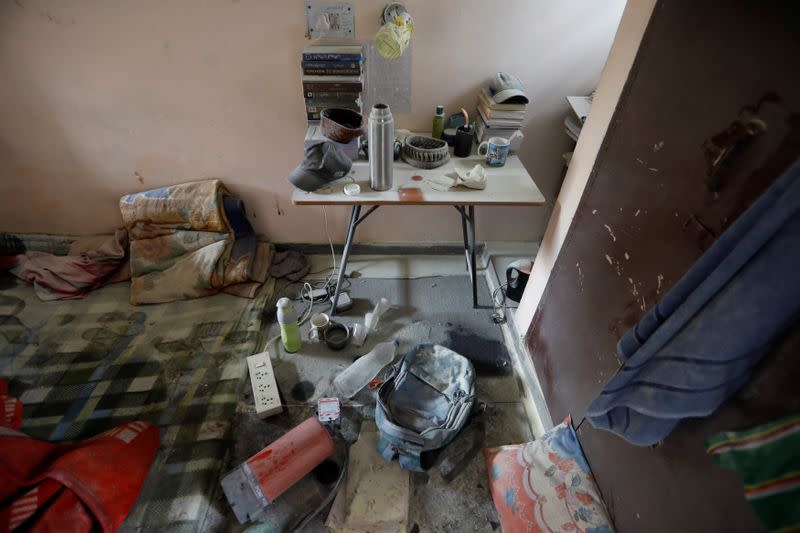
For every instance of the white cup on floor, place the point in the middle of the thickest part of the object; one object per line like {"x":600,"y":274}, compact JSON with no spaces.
{"x":318,"y":323}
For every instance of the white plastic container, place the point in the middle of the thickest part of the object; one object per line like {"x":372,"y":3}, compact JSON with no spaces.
{"x":363,"y":370}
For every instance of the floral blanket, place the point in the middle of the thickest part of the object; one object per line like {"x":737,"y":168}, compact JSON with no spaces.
{"x":191,"y":240}
{"x":546,"y":485}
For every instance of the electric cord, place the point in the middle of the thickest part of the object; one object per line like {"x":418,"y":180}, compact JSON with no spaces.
{"x":330,"y":243}
{"x":499,"y":315}
{"x":303,"y":522}
{"x":328,"y":285}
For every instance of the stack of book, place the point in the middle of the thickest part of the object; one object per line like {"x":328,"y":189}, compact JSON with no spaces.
{"x":497,"y":120}
{"x":573,"y":122}
{"x":332,"y":77}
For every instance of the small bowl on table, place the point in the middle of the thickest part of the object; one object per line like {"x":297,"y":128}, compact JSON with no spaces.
{"x":425,"y":152}
{"x":341,"y":125}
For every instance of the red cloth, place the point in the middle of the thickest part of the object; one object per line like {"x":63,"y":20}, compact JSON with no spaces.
{"x":61,"y":277}
{"x":10,"y":408}
{"x":7,"y":262}
{"x":73,"y":487}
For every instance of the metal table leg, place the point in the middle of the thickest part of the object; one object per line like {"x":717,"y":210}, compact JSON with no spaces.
{"x":472,"y":256}
{"x":468,"y":217}
{"x":461,"y":209}
{"x":355,"y":220}
{"x":467,"y":228}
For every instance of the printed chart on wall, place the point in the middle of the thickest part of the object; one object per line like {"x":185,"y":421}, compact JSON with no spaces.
{"x":387,"y":82}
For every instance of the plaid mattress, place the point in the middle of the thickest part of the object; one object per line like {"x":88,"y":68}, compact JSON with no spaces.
{"x":83,"y":366}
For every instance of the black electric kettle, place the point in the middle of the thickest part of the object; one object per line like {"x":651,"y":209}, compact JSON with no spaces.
{"x":517,"y":275}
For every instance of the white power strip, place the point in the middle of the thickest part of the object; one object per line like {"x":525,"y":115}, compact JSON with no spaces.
{"x":265,"y":390}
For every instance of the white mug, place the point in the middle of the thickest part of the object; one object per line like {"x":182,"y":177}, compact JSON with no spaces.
{"x":318,"y":324}
{"x":496,"y":151}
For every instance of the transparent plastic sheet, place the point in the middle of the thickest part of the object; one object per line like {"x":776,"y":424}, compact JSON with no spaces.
{"x":387,"y":82}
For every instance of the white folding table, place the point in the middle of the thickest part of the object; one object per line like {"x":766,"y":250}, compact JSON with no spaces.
{"x":505,"y":186}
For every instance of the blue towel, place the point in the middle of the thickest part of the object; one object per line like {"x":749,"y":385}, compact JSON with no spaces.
{"x":699,"y":344}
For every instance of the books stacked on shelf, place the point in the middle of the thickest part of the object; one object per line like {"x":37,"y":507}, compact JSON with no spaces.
{"x":497,"y":120}
{"x":314,"y":133}
{"x":573,"y":122}
{"x":332,"y":77}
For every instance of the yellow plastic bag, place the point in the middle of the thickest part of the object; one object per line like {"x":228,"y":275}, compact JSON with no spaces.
{"x":393,"y":38}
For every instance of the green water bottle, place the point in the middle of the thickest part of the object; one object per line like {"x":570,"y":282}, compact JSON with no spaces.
{"x":290,"y":331}
{"x":438,"y":123}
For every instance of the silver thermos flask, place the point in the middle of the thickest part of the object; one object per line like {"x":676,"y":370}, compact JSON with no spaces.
{"x":381,"y":147}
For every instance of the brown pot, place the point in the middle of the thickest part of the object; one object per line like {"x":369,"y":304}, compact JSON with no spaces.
{"x":341,"y":125}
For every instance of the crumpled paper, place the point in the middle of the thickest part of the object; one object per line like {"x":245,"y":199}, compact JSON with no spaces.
{"x":474,"y":178}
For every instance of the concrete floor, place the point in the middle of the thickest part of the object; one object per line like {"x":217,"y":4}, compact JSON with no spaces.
{"x":426,"y":309}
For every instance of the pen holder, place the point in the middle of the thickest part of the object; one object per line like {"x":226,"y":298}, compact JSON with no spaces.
{"x":463,"y":144}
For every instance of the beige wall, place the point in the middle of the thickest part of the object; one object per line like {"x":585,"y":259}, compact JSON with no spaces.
{"x":99,"y":98}
{"x":615,"y":73}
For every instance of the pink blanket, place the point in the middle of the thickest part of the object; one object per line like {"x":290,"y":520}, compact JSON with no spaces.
{"x":62,"y":277}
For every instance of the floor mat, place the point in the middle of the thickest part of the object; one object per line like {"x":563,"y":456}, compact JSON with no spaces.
{"x":438,"y":310}
{"x":83,"y":366}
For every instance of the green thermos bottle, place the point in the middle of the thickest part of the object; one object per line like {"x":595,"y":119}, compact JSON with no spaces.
{"x":290,"y":330}
{"x":438,"y":123}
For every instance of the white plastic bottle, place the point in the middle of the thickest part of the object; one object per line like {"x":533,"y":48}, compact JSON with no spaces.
{"x":364,"y":369}
{"x":290,"y":330}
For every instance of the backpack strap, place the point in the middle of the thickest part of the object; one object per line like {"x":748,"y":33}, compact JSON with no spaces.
{"x":409,"y":456}
{"x":385,"y":448}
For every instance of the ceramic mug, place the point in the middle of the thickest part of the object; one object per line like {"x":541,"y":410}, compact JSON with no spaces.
{"x":463,"y":142}
{"x":496,"y":151}
{"x":318,"y":322}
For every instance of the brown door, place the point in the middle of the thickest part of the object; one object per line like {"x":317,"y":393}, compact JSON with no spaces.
{"x":709,"y":117}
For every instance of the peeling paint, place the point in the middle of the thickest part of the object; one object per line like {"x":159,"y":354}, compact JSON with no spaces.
{"x":627,"y":257}
{"x":660,"y":282}
{"x":639,"y":161}
{"x":616,"y":264}
{"x":652,"y":169}
{"x":634,"y":289}
{"x":643,"y":305}
{"x":580,"y":275}
{"x":611,"y":232}
{"x":658,"y":146}
{"x":594,"y":211}
{"x":636,"y":214}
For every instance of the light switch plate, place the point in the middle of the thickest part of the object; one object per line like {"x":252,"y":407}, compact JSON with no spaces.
{"x":325,"y":19}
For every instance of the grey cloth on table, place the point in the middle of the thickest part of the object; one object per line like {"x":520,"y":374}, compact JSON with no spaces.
{"x":322,"y":163}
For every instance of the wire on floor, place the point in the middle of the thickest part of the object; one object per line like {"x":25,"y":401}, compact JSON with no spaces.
{"x":499,"y":315}
{"x":328,"y":285}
